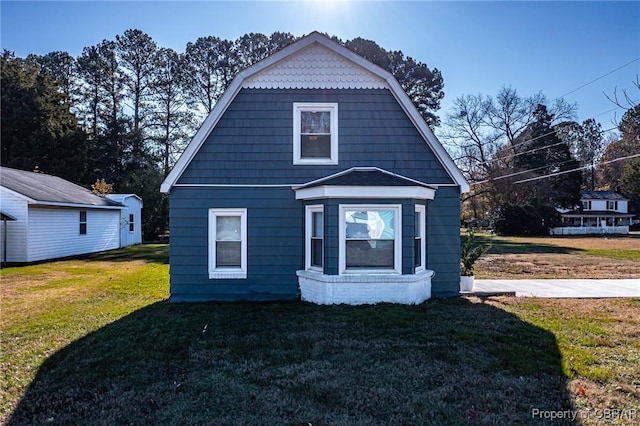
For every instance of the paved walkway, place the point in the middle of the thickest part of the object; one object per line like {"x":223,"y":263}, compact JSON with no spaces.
{"x":561,"y":288}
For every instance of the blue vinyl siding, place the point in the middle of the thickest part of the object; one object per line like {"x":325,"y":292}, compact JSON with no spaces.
{"x":443,"y":241}
{"x":252,"y":144}
{"x":275,"y":226}
{"x":253,"y":141}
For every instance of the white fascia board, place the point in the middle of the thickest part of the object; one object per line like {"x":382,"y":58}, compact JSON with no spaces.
{"x":73,"y":205}
{"x":203,"y":132}
{"x":315,"y":37}
{"x":378,"y":192}
{"x":221,"y":106}
{"x":18,"y":195}
{"x":431,"y":139}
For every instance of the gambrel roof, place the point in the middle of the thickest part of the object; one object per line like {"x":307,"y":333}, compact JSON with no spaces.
{"x":314,"y":62}
{"x":44,"y":189}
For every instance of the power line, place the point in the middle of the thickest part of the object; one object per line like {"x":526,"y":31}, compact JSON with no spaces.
{"x":602,"y":76}
{"x":516,"y":173}
{"x":576,"y":169}
{"x":509,"y":156}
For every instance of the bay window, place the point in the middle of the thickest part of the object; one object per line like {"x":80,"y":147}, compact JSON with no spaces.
{"x":370,"y":238}
{"x":419,"y":238}
{"x":314,"y":229}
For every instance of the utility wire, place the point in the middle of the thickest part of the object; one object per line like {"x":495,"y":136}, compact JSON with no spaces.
{"x":602,"y":76}
{"x":509,"y":156}
{"x":575,"y":170}
{"x":517,"y":173}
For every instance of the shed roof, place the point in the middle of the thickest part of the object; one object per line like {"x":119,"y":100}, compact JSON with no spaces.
{"x":268,"y":64}
{"x":44,"y":189}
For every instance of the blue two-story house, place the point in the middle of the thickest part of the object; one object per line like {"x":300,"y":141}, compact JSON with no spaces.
{"x":316,"y":177}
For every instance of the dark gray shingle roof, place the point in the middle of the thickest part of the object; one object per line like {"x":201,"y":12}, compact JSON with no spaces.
{"x":50,"y":189}
{"x":365,"y":177}
{"x":601,"y":195}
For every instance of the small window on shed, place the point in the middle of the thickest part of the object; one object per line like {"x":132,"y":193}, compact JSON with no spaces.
{"x":83,"y":222}
{"x":132,"y":225}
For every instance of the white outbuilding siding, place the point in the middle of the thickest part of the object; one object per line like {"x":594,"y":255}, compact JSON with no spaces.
{"x":55,"y":232}
{"x":130,"y":219}
{"x":16,"y":206}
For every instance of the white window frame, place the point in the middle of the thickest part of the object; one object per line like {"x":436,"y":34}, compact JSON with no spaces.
{"x":397,"y":246}
{"x":132,"y":223}
{"x":309,"y":211}
{"x":612,"y":205}
{"x":421,"y":211}
{"x":227,"y":272}
{"x":299,"y":107}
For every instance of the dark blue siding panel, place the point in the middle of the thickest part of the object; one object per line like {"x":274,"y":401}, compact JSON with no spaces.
{"x":443,"y":241}
{"x":275,"y":229}
{"x":253,"y":141}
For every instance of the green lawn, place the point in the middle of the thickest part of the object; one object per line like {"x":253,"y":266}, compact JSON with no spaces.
{"x":94,"y":341}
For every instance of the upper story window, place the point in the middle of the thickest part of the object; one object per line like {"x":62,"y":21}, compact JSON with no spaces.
{"x":586,"y":205}
{"x":315,"y":133}
{"x":612,"y":205}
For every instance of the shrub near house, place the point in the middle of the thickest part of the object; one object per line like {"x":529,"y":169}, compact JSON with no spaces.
{"x":314,"y":171}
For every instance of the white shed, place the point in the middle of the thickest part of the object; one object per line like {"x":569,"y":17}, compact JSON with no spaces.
{"x":130,"y":218}
{"x":55,"y":218}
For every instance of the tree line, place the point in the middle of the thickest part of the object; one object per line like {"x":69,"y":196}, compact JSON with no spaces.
{"x":124,"y":109}
{"x":525,"y":156}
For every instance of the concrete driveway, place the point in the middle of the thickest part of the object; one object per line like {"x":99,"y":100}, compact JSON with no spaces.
{"x":561,"y":288}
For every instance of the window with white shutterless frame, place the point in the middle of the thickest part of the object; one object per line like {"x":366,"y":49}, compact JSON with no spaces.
{"x":370,"y":238}
{"x":314,"y":237}
{"x":227,"y":243}
{"x":315,"y":133}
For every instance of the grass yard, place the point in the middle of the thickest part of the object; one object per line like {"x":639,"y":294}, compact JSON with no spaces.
{"x":560,"y":257}
{"x":93,"y":341}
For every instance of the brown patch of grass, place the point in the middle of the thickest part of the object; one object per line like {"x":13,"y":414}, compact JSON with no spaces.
{"x":561,"y":257}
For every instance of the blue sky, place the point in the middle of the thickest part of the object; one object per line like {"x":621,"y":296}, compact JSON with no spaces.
{"x":553,"y":47}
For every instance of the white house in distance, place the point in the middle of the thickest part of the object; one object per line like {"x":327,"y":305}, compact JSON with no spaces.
{"x":49,"y":217}
{"x":602,"y":212}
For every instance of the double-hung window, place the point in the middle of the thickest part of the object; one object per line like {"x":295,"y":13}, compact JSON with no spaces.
{"x":314,"y":246}
{"x":419,"y":238}
{"x":612,"y":205}
{"x":370,"y":239}
{"x":228,"y":243}
{"x":83,"y":222}
{"x":132,"y":225}
{"x":315,"y":133}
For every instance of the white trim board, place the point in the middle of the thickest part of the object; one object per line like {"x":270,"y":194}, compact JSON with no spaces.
{"x":236,"y":85}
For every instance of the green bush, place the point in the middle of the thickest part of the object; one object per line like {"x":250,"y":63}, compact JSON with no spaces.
{"x":512,"y":219}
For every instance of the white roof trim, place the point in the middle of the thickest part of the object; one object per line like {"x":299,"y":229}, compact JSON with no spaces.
{"x":315,"y":37}
{"x":73,"y":205}
{"x":18,"y":195}
{"x":377,"y":192}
